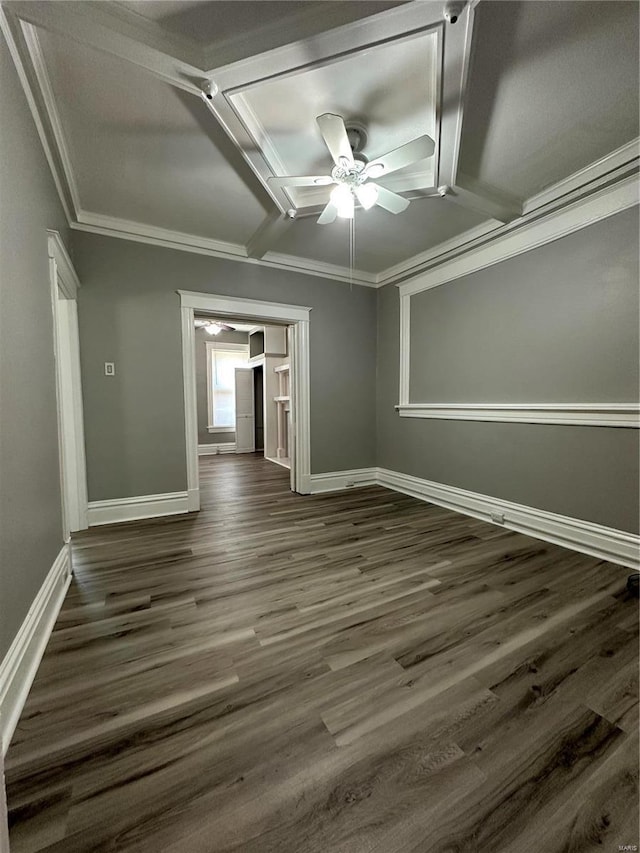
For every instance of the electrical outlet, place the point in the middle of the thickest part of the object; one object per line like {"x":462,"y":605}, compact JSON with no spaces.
{"x":497,"y":517}
{"x":349,"y":484}
{"x":109,"y":368}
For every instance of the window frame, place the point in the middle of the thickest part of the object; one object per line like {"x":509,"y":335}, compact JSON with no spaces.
{"x":211,"y":347}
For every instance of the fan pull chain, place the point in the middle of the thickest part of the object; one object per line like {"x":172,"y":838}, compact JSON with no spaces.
{"x":352,"y":249}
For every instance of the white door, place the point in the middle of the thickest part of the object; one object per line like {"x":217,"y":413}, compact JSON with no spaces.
{"x":245,"y":412}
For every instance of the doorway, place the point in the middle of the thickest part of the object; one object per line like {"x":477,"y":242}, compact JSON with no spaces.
{"x":262,"y":314}
{"x":73,"y":477}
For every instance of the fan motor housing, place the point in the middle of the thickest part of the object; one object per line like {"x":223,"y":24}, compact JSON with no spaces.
{"x":358,"y":137}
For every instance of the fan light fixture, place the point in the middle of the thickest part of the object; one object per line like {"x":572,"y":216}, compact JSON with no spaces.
{"x":367,"y":195}
{"x":353,"y":173}
{"x":342,"y":198}
{"x":213,"y":329}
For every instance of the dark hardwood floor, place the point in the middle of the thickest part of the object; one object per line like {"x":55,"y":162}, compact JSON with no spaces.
{"x":343,"y":673}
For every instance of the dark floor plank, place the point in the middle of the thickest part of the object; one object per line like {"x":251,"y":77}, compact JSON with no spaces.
{"x":341,"y":673}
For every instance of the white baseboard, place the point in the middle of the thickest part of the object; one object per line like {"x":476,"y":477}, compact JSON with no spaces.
{"x":215,"y":449}
{"x":335,"y":480}
{"x":618,"y":546}
{"x":20,"y":664}
{"x":134,"y":509}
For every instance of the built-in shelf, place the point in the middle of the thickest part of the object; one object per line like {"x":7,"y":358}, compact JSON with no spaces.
{"x":283,"y":413}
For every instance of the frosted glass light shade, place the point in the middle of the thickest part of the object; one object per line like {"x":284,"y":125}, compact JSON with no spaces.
{"x":342,"y":197}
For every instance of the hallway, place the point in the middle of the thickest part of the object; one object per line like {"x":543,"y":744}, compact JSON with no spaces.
{"x":339,"y":673}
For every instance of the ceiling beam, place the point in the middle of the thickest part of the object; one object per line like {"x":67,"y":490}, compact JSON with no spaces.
{"x":483,"y":199}
{"x":269,"y":232}
{"x":456,"y":67}
{"x":456,"y":62}
{"x":91,"y":25}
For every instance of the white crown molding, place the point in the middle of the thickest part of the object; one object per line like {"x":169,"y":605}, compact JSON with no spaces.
{"x":576,"y":414}
{"x":20,"y":664}
{"x":337,"y":480}
{"x":552,"y":226}
{"x":604,"y":168}
{"x":442,"y":252}
{"x":612,"y":168}
{"x":138,"y":232}
{"x":137,"y":508}
{"x":332,"y":271}
{"x":38,"y":63}
{"x":12,"y":32}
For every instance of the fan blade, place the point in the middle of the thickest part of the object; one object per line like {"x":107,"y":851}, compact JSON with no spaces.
{"x":391,"y":201}
{"x":226,"y":328}
{"x":328,"y":215}
{"x":303,"y":181}
{"x":335,"y":136}
{"x":417,"y":149}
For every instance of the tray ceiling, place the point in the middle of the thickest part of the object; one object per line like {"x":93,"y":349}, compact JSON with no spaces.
{"x":519,"y":97}
{"x":396,"y":104}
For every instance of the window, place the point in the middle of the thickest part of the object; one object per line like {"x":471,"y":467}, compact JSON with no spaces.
{"x":222,"y":360}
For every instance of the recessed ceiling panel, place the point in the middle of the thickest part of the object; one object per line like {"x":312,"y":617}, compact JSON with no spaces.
{"x":553,"y":88}
{"x":144,"y":151}
{"x":391,"y":88}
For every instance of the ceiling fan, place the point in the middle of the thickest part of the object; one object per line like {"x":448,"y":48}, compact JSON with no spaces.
{"x":352,"y":173}
{"x":213,"y":327}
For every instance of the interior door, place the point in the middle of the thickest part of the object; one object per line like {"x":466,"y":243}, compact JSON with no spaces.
{"x":245,"y":412}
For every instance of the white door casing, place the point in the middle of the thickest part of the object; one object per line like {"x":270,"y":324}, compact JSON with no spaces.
{"x":245,"y":411}
{"x":73,"y":478}
{"x":297,"y":318}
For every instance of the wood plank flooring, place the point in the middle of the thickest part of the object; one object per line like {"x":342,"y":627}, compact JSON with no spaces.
{"x":356,"y":672}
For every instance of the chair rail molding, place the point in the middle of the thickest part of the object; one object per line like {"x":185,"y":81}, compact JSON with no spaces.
{"x":576,"y":414}
{"x":295,"y":316}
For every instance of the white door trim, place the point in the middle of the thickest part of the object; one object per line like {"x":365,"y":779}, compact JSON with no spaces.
{"x":73,"y":473}
{"x":297,"y":317}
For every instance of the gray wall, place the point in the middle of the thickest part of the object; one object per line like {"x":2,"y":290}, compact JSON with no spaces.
{"x":556,"y":325}
{"x":30,"y":504}
{"x":130,"y":314}
{"x":559,"y":324}
{"x":205,"y":437}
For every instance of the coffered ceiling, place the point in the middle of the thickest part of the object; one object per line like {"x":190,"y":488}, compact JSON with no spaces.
{"x":530,"y":104}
